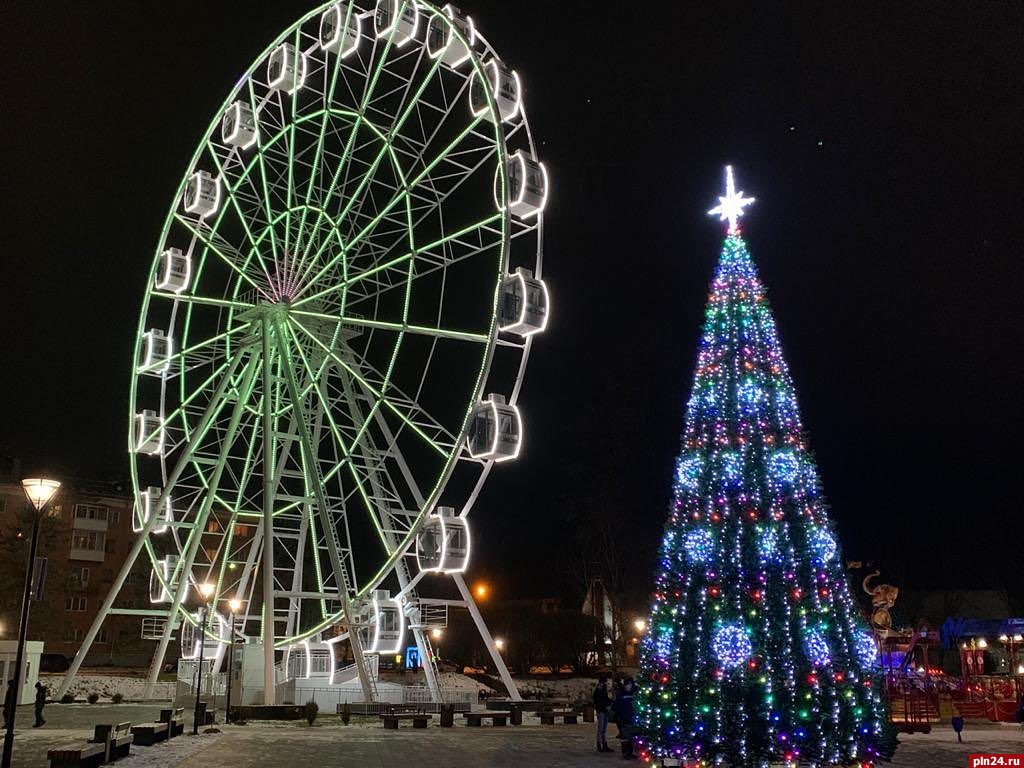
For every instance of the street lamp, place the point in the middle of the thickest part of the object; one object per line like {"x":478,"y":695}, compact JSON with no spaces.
{"x":481,"y":590}
{"x":234,"y":605}
{"x":436,"y":633}
{"x":39,"y":491}
{"x":499,"y":643}
{"x":206,"y":590}
{"x":640,"y":625}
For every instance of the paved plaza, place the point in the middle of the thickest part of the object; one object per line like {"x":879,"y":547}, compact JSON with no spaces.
{"x":366,"y":744}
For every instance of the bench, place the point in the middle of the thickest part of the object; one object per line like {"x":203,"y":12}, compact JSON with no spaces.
{"x":119,"y":742}
{"x":419,"y":720}
{"x":569,"y":716}
{"x":175,"y":719}
{"x":497,"y":718}
{"x":86,"y":755}
{"x":150,"y":733}
{"x":399,"y":709}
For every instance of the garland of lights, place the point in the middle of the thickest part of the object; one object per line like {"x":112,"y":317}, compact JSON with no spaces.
{"x":756,"y":652}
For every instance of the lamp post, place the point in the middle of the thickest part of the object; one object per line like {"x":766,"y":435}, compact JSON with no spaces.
{"x":205,"y":589}
{"x":39,"y":491}
{"x":234,"y":604}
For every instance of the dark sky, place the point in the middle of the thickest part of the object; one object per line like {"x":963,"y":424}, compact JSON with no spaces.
{"x":883,"y":142}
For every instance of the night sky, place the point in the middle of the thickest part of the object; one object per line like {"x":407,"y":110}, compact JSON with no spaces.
{"x":883,"y":142}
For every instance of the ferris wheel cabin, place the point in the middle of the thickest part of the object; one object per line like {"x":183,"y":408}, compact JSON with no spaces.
{"x":174,"y":272}
{"x":527,"y":185}
{"x":495,"y":430}
{"x":154,"y":352}
{"x":524,"y":304}
{"x":160,"y":579}
{"x":442,"y":41}
{"x":286,"y":69}
{"x":398,"y":18}
{"x":202,"y":195}
{"x":149,"y":433}
{"x":151,"y":501}
{"x":442,"y":545}
{"x":238,"y":126}
{"x":340,"y":30}
{"x":505,"y":88}
{"x":211,"y":649}
{"x":383,"y":624}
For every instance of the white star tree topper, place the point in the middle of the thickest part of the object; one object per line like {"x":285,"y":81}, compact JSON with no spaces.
{"x":730,"y":207}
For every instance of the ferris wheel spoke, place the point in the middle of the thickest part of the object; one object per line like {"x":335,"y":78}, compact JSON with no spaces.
{"x":370,"y":87}
{"x":439,"y":333}
{"x":380,"y":397}
{"x":388,"y":207}
{"x":233,"y":196}
{"x":219,"y":251}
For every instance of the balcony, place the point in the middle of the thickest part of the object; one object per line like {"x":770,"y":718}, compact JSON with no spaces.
{"x":91,"y":555}
{"x":87,"y":524}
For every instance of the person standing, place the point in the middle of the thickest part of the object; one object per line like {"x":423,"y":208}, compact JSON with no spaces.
{"x":624,"y":715}
{"x":601,"y":702}
{"x":10,"y":706}
{"x":40,"y":703}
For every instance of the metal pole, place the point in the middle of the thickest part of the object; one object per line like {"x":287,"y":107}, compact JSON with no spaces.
{"x":269,"y":681}
{"x":231,"y":666}
{"x":485,"y":633}
{"x":19,"y":663}
{"x":199,"y":669}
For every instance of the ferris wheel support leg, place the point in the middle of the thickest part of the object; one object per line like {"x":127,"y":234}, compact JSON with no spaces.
{"x":485,"y":633}
{"x":184,"y":568}
{"x":323,"y":511}
{"x":216,"y":403}
{"x":269,"y":682}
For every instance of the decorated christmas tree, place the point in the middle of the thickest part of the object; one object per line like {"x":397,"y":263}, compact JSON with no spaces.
{"x":756,"y":652}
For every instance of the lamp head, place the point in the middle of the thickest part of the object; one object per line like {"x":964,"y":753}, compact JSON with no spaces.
{"x":206,"y":589}
{"x":234,"y":604}
{"x":39,"y":490}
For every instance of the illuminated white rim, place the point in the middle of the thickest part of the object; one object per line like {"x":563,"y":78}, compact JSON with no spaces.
{"x":219,"y":643}
{"x":304,"y":644}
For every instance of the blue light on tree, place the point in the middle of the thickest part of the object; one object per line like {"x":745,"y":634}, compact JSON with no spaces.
{"x":749,"y":393}
{"x":866,"y":649}
{"x":732,"y":466}
{"x":689,"y":471}
{"x":731,"y":645}
{"x":817,"y":648}
{"x":699,"y":545}
{"x":823,"y":545}
{"x":768,"y":543}
{"x":784,"y":465}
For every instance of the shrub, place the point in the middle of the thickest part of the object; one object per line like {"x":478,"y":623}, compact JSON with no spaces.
{"x":310,"y":710}
{"x":117,"y":698}
{"x":67,"y":698}
{"x":93,"y":697}
{"x":346,"y":713}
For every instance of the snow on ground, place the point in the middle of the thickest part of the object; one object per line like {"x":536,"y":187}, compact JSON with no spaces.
{"x":106,"y":685}
{"x":575,"y":689}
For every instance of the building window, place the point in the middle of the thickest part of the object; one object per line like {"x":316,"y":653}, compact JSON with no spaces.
{"x":72,"y":635}
{"x":54,"y":510}
{"x":74,"y":604}
{"x":92,"y":540}
{"x":108,"y":575}
{"x":115,"y":516}
{"x":3,"y":503}
{"x":90,"y":512}
{"x":101,"y":636}
{"x":78,"y":576}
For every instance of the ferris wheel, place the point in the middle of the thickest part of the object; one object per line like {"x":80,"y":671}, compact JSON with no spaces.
{"x":334,"y":333}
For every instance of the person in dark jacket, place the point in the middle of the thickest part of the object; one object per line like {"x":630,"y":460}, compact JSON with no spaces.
{"x":612,"y":716}
{"x":624,"y":716}
{"x":601,"y":703}
{"x":40,"y":703}
{"x":10,"y":706}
